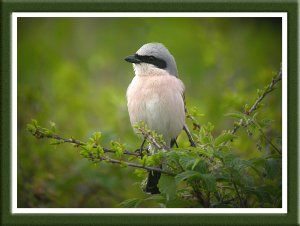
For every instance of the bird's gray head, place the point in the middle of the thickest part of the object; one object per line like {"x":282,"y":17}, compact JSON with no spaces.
{"x":155,"y":54}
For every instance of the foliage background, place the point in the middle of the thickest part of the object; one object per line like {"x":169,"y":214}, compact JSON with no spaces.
{"x":71,"y":71}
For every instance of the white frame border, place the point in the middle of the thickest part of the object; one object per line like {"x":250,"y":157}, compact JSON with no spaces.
{"x":16,"y":210}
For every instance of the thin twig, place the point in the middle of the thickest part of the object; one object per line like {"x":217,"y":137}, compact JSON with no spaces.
{"x":148,"y":168}
{"x":237,"y":191}
{"x":196,"y":188}
{"x":260,"y":98}
{"x":196,"y":125}
{"x":269,"y":141}
{"x":268,"y":90}
{"x":39,"y":134}
{"x":148,"y":136}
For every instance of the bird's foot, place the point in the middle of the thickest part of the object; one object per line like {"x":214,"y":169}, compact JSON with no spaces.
{"x":140,"y":152}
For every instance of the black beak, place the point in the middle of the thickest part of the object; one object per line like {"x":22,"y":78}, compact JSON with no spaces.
{"x":133,"y":59}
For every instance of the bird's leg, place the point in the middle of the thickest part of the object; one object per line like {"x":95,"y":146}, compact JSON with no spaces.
{"x":176,"y":144}
{"x":188,"y":133}
{"x":173,"y":141}
{"x":140,"y":150}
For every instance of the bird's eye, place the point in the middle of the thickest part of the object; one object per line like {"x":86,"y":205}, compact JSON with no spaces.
{"x":151,"y":58}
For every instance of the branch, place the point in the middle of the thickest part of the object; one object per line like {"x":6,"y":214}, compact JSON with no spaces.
{"x":269,"y":141}
{"x":148,"y":168}
{"x":237,"y":192}
{"x":148,"y":136}
{"x":40,"y":134}
{"x":269,"y":89}
{"x":196,"y":125}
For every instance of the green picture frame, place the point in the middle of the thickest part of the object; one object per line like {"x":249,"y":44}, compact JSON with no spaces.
{"x":7,"y":218}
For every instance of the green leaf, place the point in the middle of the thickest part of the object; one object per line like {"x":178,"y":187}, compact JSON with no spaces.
{"x":172,"y":157}
{"x":154,"y":159}
{"x":209,"y":181}
{"x":260,"y":193}
{"x":224,"y":138}
{"x":84,"y":153}
{"x":200,"y":151}
{"x":272,"y":168}
{"x":259,"y":92}
{"x":186,"y":175}
{"x":201,"y":166}
{"x":57,"y":142}
{"x":96,"y":137}
{"x":178,"y":203}
{"x":237,"y":115}
{"x":47,"y":132}
{"x":31,"y":128}
{"x":236,"y":163}
{"x":204,"y":135}
{"x":258,"y":162}
{"x":209,"y":127}
{"x":139,"y":173}
{"x":249,"y":163}
{"x":100,"y":151}
{"x":225,"y":177}
{"x":52,"y":126}
{"x":34,"y":123}
{"x":155,"y":197}
{"x":196,"y":163}
{"x":167,"y":186}
{"x":117,"y":147}
{"x":246,"y":107}
{"x":265,"y":123}
{"x":186,"y":161}
{"x":194,"y":111}
{"x":88,"y":146}
{"x":130,"y":203}
{"x":123,"y":164}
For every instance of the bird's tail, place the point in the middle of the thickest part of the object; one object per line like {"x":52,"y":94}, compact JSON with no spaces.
{"x":152,"y":182}
{"x":153,"y":176}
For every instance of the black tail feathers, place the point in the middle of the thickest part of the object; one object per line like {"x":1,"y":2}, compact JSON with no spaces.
{"x":153,"y":178}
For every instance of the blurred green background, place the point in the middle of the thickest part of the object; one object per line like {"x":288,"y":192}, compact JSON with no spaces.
{"x":72,"y":71}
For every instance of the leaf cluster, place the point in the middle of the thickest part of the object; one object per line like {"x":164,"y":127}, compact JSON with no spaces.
{"x":212,"y":175}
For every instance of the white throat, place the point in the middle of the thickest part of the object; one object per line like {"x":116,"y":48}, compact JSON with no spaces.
{"x":143,"y":69}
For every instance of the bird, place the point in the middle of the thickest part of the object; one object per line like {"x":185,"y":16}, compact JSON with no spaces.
{"x":155,"y":97}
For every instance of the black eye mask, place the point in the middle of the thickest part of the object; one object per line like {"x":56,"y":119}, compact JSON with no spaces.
{"x":152,"y":60}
